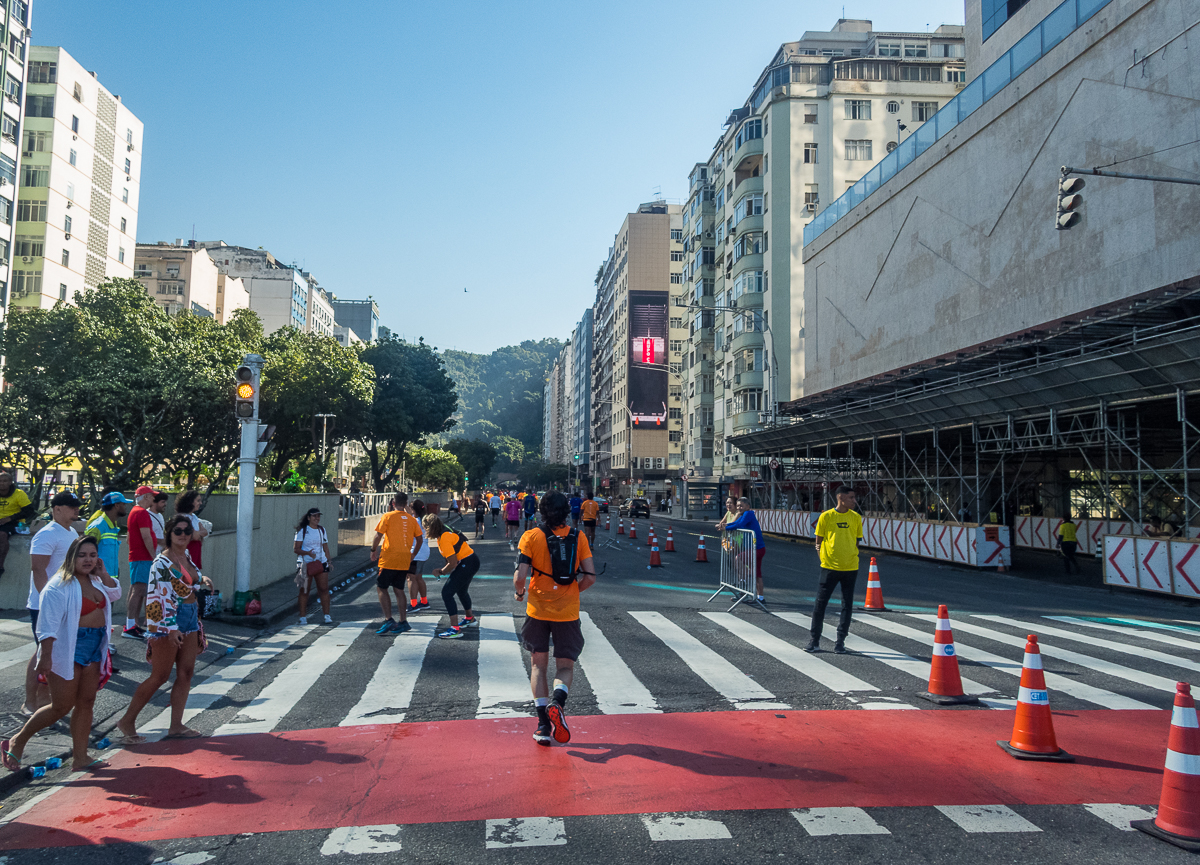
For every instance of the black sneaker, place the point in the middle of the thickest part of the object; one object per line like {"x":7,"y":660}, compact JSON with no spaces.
{"x":813,"y":647}
{"x":562,"y":734}
{"x":839,"y":648}
{"x":542,"y":735}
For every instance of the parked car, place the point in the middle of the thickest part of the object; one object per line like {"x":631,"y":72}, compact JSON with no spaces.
{"x":636,"y":508}
{"x":602,"y":502}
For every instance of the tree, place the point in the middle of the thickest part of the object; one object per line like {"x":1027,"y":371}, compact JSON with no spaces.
{"x":476,"y":458}
{"x":433,"y":468}
{"x":414,"y":398}
{"x":510,"y":453}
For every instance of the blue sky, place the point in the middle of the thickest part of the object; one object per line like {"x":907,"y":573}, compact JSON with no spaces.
{"x":407,"y":151}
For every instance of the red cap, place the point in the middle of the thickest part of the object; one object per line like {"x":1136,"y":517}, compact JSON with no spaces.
{"x":144,"y":491}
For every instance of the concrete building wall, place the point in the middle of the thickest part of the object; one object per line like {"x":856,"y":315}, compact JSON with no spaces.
{"x":178,"y":278}
{"x":959,"y":249}
{"x":232,"y":295}
{"x":360,"y":315}
{"x":15,"y":19}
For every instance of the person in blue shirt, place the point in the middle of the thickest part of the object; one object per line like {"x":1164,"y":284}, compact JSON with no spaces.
{"x":103,"y":527}
{"x":576,"y":506}
{"x":530,"y":502}
{"x":747,"y":520}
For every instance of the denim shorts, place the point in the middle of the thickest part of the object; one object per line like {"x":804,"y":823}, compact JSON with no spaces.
{"x":89,"y":646}
{"x":187,"y":618}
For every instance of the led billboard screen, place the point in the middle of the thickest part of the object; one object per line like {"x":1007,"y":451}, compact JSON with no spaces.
{"x":648,"y":358}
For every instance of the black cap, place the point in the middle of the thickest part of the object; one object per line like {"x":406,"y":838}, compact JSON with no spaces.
{"x":66,"y":498}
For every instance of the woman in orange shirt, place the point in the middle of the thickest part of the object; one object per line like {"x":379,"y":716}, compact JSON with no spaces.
{"x":462,"y":564}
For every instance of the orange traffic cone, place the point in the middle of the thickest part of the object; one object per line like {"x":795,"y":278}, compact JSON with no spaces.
{"x":632,"y":530}
{"x":874,"y":601}
{"x":620,"y":527}
{"x":945,"y":684}
{"x":655,"y":558}
{"x":1033,"y":727}
{"x":670,"y":547}
{"x":1178,"y":820}
{"x":701,"y":555}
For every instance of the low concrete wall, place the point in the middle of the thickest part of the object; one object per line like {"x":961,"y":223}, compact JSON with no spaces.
{"x":275,"y":519}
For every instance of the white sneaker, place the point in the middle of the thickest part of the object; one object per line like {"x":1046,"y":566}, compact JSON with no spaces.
{"x":329,"y":620}
{"x":304,"y":620}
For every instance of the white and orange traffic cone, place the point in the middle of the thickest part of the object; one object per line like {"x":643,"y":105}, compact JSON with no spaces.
{"x":620,"y":526}
{"x":945,"y":684}
{"x":655,"y":558}
{"x":632,"y":529}
{"x":874,"y":600}
{"x":608,"y":522}
{"x":670,"y":546}
{"x":1178,"y":820}
{"x":701,"y":554}
{"x":1033,"y":727}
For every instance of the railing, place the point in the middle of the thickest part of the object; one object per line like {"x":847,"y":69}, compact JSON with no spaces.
{"x":356,"y":506}
{"x":1051,"y":30}
{"x":739,"y":566}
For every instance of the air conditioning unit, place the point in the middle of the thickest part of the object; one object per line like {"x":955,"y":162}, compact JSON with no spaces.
{"x":811,"y":207}
{"x":3,"y":181}
{"x":26,"y":259}
{"x":708,"y":430}
{"x":28,"y":153}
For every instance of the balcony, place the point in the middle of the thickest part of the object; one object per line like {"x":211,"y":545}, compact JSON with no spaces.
{"x":747,"y":339}
{"x":749,"y":149}
{"x":743,"y":380}
{"x":745,"y":420}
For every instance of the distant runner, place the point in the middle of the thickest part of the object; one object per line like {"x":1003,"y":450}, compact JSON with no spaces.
{"x":530,"y":502}
{"x":480,"y":515}
{"x":495,"y":503}
{"x":512,"y":518}
{"x":576,"y":506}
{"x":590,"y":511}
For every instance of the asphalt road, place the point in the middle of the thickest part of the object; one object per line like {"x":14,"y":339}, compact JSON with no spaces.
{"x":717,"y":738}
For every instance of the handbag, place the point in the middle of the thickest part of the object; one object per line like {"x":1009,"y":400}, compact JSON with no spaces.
{"x":314,"y":568}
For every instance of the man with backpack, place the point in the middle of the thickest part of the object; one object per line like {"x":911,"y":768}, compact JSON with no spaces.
{"x":530,"y":505}
{"x":556,"y":563}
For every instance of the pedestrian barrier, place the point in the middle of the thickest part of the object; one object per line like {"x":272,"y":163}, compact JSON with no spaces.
{"x":1178,"y":820}
{"x":1033,"y":726}
{"x":945,"y":683}
{"x":670,"y":546}
{"x":701,"y":553}
{"x":1163,"y":565}
{"x":874,"y":600}
{"x":738,"y":566}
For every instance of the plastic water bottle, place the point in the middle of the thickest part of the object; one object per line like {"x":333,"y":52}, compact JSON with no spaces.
{"x":103,"y":744}
{"x":229,"y":651}
{"x":37,"y":771}
{"x":53,"y":763}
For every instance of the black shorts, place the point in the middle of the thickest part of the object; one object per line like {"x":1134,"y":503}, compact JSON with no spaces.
{"x":512,"y":522}
{"x":495,"y":512}
{"x":390,"y":579}
{"x":568,"y":637}
{"x":416,"y":568}
{"x":9,"y":528}
{"x":479,"y":517}
{"x":591,"y":524}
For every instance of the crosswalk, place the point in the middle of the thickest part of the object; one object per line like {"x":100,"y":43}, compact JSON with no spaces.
{"x":649,"y":662}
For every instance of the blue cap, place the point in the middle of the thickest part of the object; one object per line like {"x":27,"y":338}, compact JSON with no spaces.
{"x":114,"y":499}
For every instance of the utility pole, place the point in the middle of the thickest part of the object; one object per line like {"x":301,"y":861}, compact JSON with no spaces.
{"x":248,"y":378}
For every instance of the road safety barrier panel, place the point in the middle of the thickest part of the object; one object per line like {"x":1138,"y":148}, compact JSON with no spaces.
{"x":1163,"y":565}
{"x":992,"y":547}
{"x":1120,"y":561}
{"x":1153,"y":564}
{"x":944,"y":544}
{"x":927,"y":539}
{"x":738,"y":561}
{"x":912,"y":537}
{"x":959,"y":544}
{"x":1024,"y":529}
{"x":1185,"y":567}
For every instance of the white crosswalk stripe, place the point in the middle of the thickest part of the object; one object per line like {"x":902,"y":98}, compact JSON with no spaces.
{"x":838,"y":821}
{"x":680,"y":827}
{"x":618,"y":691}
{"x":987,"y":818}
{"x":722,"y":676}
{"x":20,"y":655}
{"x":1152,"y":636}
{"x":1118,"y":816}
{"x":387,"y":695}
{"x":503,"y":684}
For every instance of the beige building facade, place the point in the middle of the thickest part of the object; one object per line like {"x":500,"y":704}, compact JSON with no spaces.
{"x":282,"y":294}
{"x":184,"y":278}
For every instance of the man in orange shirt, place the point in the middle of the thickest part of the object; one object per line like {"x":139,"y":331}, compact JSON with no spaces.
{"x":556,"y":562}
{"x":400,"y":535}
{"x":590,"y":511}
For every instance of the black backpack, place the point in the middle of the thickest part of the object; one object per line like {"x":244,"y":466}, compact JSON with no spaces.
{"x":562,"y":555}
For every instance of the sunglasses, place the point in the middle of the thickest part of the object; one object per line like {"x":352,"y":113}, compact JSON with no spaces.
{"x":181,"y":531}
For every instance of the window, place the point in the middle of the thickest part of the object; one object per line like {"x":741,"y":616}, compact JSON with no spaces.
{"x":30,"y":246}
{"x":31,"y":211}
{"x":677,"y":322}
{"x":27,"y":282}
{"x":8,"y":169}
{"x":35,"y":175}
{"x":812,"y":197}
{"x":858,"y":149}
{"x":676,"y":346}
{"x":750,"y":282}
{"x":867,"y":70}
{"x":128,"y":166}
{"x":129,"y":137}
{"x":748,"y":400}
{"x":123,"y":224}
{"x":36,"y":142}
{"x":73,"y":157}
{"x":125,"y":195}
{"x":676,"y":255}
{"x":704,"y":287}
{"x":947,"y":49}
{"x":918,"y":49}
{"x":675,"y":436}
{"x":920,"y":73}
{"x":810,"y":112}
{"x":71,"y":191}
{"x":20,"y":11}
{"x":121,"y":254}
{"x":922,"y":111}
{"x":62,"y":291}
{"x":676,"y":278}
{"x":720,"y":198}
{"x":78,"y":92}
{"x":75,"y":125}
{"x":6,"y":208}
{"x":37,"y":106}
{"x":706,"y":384}
{"x":956,"y":75}
{"x":10,"y":128}
{"x":704,"y":318}
{"x":750,"y":130}
{"x":677,"y":235}
{"x":887,"y":49}
{"x":748,"y":205}
{"x":858,"y":109}
{"x":43,"y":72}
{"x":996,"y":12}
{"x":66,"y":258}
{"x":675,"y":413}
{"x":66,"y":225}
{"x":893,"y":107}
{"x":810,"y":154}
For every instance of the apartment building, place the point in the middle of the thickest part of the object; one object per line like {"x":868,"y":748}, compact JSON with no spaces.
{"x":580,"y":441}
{"x":283,"y":295}
{"x":81,"y":154}
{"x":557,"y":436}
{"x":182,"y":277}
{"x":638,"y":338}
{"x":361,"y":316}
{"x":15,"y":18}
{"x":825,"y":110}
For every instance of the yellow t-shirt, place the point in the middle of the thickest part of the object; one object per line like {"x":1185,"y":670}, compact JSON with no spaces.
{"x":14,"y":503}
{"x":590,"y":510}
{"x":549,"y":601}
{"x":730,"y":516}
{"x":842,"y":532}
{"x":446,"y":546}
{"x":1066,"y":532}
{"x":398,"y":529}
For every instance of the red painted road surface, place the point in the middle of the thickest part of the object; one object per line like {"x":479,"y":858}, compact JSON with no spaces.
{"x":615,"y":764}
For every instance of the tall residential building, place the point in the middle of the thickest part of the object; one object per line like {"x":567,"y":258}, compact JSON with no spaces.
{"x":556,"y":410}
{"x":283,"y":295}
{"x":183,"y":278}
{"x":15,"y":17}
{"x":76,"y":219}
{"x":823,"y":112}
{"x":638,"y":344}
{"x":581,"y":394}
{"x":361,"y":316}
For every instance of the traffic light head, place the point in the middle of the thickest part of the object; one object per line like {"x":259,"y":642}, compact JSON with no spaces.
{"x":246,"y":392}
{"x":577,"y":457}
{"x":1067,"y":213}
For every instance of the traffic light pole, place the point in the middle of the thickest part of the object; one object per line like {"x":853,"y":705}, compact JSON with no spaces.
{"x":1096,"y":172}
{"x":247,"y":465}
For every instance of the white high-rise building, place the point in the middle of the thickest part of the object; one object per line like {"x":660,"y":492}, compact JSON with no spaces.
{"x":283,"y":295}
{"x":15,"y":17}
{"x":80,"y":175}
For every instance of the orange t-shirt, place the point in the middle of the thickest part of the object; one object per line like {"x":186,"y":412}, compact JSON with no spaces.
{"x":446,"y":545}
{"x":549,"y":601}
{"x":398,"y":529}
{"x":590,"y":510}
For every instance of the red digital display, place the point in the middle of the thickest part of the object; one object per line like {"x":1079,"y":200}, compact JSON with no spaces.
{"x":647,"y":351}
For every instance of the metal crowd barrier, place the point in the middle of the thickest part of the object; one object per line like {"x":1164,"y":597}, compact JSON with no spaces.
{"x":738,"y":571}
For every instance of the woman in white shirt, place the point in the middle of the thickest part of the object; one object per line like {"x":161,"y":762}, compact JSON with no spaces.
{"x":73,"y":629}
{"x":312,"y":545}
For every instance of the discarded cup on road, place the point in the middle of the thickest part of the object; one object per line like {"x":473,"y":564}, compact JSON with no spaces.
{"x":37,"y":771}
{"x":229,"y":651}
{"x":53,"y":762}
{"x":103,"y":743}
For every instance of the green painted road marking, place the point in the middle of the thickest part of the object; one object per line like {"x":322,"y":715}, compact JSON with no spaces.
{"x":672,"y":588}
{"x":1141,"y":623}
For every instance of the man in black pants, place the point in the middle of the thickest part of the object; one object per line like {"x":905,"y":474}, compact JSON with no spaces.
{"x":839,"y":531}
{"x":1068,"y":542}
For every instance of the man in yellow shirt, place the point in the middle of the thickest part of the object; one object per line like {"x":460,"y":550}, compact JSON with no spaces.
{"x":839,"y":531}
{"x":555,"y":578}
{"x":14,"y":507}
{"x":1068,"y":542}
{"x":400,"y":535}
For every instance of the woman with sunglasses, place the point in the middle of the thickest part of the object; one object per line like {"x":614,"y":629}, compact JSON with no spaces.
{"x":174,"y":637}
{"x":74,"y":622}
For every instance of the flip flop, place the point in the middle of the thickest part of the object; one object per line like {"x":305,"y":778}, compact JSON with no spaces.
{"x":11,"y":762}
{"x":127,"y":741}
{"x":186,"y":734}
{"x":93,"y":766}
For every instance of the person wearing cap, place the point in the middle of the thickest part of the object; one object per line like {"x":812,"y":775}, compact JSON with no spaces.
{"x":142,"y":549}
{"x":47,"y":552}
{"x":15,"y":506}
{"x":103,"y":527}
{"x":312,"y":545}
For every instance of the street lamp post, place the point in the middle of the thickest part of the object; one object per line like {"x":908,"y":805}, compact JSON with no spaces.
{"x":324,"y":427}
{"x":628,"y":441}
